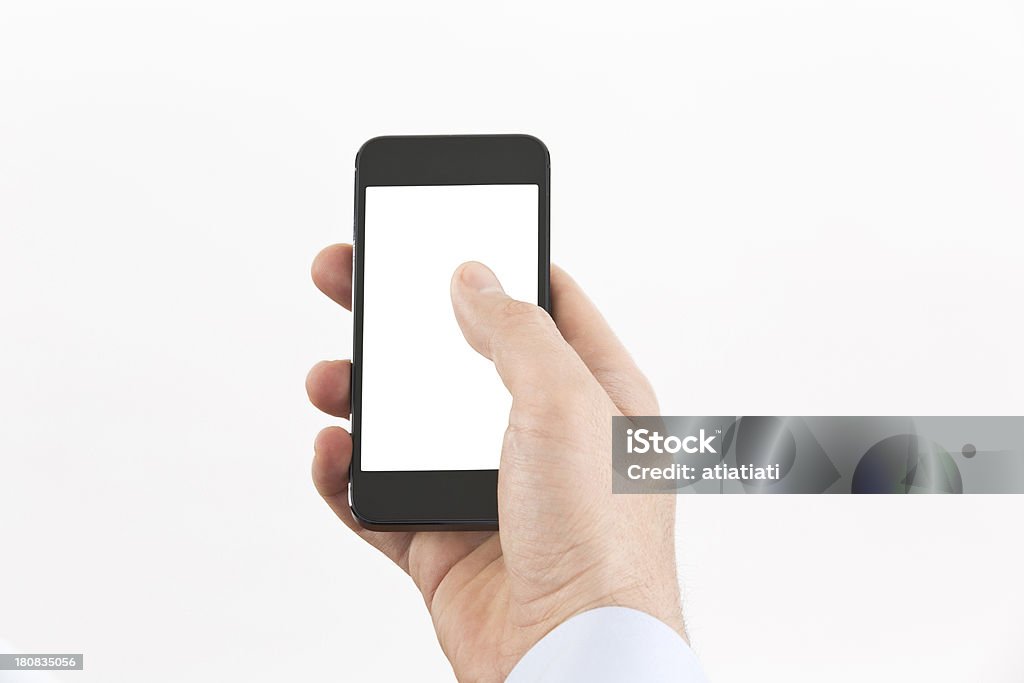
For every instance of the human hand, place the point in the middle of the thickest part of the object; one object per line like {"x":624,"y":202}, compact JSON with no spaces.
{"x":566,"y":544}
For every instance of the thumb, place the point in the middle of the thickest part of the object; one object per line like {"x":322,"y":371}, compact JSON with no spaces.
{"x":519,"y":337}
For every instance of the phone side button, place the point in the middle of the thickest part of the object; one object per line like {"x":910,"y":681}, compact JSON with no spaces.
{"x":350,"y":495}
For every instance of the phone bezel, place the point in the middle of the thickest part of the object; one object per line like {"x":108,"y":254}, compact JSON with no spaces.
{"x":436,"y":499}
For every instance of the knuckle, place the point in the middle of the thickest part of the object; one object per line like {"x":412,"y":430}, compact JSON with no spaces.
{"x":519,"y":319}
{"x":629,"y":390}
{"x":516,"y":313}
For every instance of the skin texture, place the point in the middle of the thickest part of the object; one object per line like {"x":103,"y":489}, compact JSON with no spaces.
{"x":566,"y":543}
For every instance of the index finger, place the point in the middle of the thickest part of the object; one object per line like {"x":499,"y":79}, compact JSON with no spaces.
{"x":588,"y":333}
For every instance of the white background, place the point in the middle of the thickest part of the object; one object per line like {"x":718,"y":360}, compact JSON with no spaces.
{"x":786,"y":208}
{"x":430,"y":402}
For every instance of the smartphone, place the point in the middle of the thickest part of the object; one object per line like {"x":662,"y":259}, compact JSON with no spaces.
{"x":428,"y":412}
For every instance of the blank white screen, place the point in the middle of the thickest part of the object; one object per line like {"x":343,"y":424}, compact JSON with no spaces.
{"x":429,"y":401}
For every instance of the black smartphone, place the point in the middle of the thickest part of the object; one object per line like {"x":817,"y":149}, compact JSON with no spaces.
{"x":428,"y":412}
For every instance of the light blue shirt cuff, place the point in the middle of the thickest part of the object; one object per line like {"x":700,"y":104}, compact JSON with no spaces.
{"x":610,"y":644}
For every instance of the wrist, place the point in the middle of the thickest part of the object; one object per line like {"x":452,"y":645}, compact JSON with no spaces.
{"x":659,"y":598}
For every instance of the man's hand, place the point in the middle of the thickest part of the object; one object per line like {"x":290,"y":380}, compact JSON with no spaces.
{"x":566,"y":544}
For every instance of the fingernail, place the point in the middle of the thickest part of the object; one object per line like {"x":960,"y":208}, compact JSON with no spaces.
{"x":479,"y":277}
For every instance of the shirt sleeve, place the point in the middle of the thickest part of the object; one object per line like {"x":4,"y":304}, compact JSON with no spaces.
{"x":609,"y":644}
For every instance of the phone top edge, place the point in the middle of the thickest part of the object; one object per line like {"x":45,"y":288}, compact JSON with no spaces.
{"x":482,"y":137}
